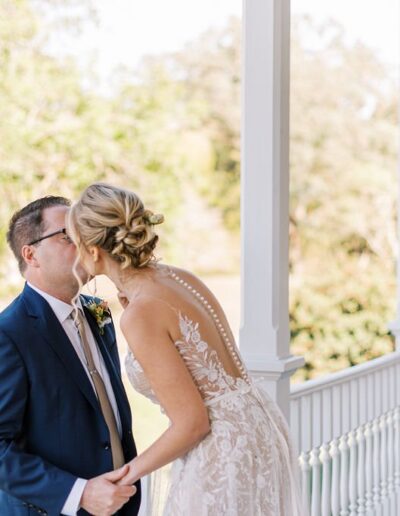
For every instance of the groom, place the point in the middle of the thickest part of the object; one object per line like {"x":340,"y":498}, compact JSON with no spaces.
{"x":64,"y":414}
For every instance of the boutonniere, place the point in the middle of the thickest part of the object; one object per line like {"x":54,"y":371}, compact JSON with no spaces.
{"x":101,"y":312}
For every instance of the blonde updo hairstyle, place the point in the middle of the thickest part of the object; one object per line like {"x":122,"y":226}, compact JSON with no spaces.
{"x":115,"y":220}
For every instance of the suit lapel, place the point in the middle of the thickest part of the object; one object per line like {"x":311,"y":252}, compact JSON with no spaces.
{"x":52,"y":331}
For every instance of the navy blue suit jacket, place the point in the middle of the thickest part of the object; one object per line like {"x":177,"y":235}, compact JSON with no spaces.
{"x":51,"y":426}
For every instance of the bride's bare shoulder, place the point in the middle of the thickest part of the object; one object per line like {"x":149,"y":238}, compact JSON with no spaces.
{"x":195,"y":282}
{"x":185,"y":275}
{"x":145,"y":311}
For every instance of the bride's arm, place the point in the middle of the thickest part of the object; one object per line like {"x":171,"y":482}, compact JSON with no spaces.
{"x":145,"y":328}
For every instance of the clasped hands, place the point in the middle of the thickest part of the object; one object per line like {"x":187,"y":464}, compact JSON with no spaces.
{"x":106,"y":494}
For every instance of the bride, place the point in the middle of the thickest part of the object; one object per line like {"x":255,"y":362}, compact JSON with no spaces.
{"x":229,"y":442}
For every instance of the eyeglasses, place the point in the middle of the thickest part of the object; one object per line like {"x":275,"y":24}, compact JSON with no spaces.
{"x":66,"y":238}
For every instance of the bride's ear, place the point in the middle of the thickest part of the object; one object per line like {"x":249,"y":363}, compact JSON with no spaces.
{"x":94,"y":253}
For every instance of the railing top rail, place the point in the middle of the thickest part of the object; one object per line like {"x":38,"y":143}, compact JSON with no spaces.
{"x":319,"y":384}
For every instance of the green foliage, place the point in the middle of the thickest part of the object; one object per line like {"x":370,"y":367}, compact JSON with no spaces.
{"x":55,"y":137}
{"x":173,"y":130}
{"x":343,"y":203}
{"x":210,"y":67}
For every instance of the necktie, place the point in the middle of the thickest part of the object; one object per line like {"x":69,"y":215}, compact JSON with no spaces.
{"x":105,"y":405}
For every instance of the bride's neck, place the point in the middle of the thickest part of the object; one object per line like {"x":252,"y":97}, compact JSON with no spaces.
{"x":129,"y":281}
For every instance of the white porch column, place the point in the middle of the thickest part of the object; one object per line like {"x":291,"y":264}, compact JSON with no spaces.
{"x":264,"y":332}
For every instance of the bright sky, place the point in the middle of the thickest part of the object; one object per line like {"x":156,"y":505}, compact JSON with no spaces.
{"x":129,"y":29}
{"x":374,"y":22}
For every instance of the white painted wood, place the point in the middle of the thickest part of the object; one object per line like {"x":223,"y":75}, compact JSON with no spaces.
{"x":317,"y":415}
{"x":305,"y":469}
{"x":327,"y":415}
{"x":344,"y":476}
{"x":346,"y":405}
{"x":376,"y":464}
{"x":392,"y":387}
{"x":337,"y":402}
{"x":352,"y":443}
{"x":378,"y":395}
{"x":391,"y":444}
{"x":335,"y":500}
{"x":334,"y":410}
{"x":385,"y":391}
{"x":316,"y":482}
{"x":325,"y":460}
{"x":361,"y":467}
{"x":306,"y":430}
{"x":397,"y":455}
{"x":390,"y":462}
{"x":361,"y":371}
{"x":362,"y":401}
{"x":384,"y":499}
{"x":394,"y":326}
{"x":357,"y":388}
{"x":370,"y":397}
{"x":264,"y":332}
{"x":356,"y":401}
{"x":368,"y":469}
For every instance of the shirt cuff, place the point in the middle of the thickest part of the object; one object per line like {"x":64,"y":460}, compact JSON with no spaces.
{"x":72,"y":503}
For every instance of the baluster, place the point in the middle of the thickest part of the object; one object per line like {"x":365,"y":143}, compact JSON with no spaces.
{"x":344,"y":476}
{"x":316,"y":483}
{"x":358,"y":473}
{"x":335,"y":490}
{"x":368,"y":468}
{"x":325,"y":460}
{"x":361,"y":470}
{"x":305,"y":478}
{"x":352,"y":442}
{"x":384,"y":465}
{"x":397,"y":457}
{"x":376,"y":464}
{"x":390,"y":457}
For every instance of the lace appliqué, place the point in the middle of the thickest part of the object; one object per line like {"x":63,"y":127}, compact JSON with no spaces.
{"x":245,"y":465}
{"x":202,"y":361}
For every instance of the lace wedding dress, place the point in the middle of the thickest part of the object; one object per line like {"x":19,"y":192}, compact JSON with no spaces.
{"x":245,"y":465}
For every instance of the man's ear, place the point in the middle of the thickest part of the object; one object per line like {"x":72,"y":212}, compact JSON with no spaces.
{"x":29,"y":256}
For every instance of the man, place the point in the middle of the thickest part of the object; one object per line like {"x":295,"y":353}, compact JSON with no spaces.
{"x":64,"y":414}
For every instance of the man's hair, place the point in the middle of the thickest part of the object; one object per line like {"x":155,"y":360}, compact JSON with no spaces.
{"x":27,"y":224}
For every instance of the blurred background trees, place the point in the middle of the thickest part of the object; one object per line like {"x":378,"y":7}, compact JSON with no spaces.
{"x":171,"y":130}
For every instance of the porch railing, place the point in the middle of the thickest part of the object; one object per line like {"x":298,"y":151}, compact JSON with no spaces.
{"x":347,"y":427}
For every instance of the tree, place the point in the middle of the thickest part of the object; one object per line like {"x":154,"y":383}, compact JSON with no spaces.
{"x":343,"y":202}
{"x":171,"y":130}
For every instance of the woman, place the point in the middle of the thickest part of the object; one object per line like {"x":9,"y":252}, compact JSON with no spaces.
{"x":229,"y":441}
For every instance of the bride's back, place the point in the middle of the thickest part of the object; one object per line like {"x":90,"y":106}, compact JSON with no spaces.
{"x":198,"y":327}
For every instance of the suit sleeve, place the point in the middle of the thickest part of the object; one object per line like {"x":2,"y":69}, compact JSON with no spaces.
{"x":22,"y":475}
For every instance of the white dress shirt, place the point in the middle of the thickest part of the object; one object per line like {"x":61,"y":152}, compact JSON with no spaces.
{"x":63,"y":312}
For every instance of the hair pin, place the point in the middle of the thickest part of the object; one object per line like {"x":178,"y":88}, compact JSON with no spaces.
{"x":155,"y":218}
